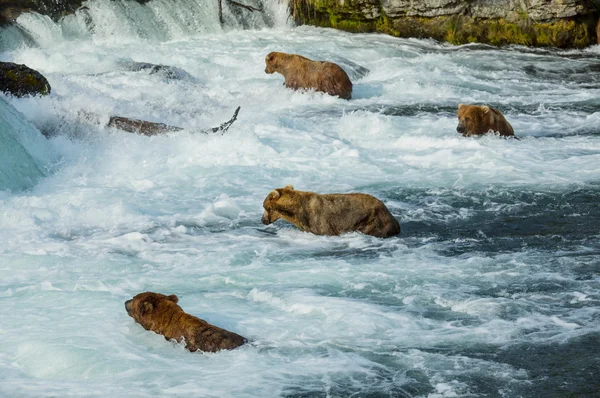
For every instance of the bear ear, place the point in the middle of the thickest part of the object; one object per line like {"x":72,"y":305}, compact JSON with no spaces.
{"x":289,"y":187}
{"x":274,"y":194}
{"x":485,"y":109}
{"x":461,"y":106}
{"x":173,"y":298}
{"x":147,"y":307}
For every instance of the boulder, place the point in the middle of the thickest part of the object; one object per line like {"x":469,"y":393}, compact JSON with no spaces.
{"x":20,"y":80}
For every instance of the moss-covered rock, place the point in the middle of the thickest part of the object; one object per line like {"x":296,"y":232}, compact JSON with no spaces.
{"x":568,"y":24}
{"x":20,"y":80}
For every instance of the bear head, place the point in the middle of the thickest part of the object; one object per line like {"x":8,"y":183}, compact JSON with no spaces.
{"x":273,"y":62}
{"x":275,"y":204}
{"x":147,"y":308}
{"x":474,"y":119}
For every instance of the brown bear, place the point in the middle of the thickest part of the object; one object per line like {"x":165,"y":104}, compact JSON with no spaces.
{"x":479,"y":120}
{"x":331,"y":214}
{"x":302,"y":73}
{"x":162,"y":315}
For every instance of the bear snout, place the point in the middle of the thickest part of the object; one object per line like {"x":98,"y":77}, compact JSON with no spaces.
{"x":265,"y":218}
{"x":128,"y":305}
{"x":461,"y":129}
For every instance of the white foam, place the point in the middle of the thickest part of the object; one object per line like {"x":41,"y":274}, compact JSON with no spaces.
{"x":180,"y":214}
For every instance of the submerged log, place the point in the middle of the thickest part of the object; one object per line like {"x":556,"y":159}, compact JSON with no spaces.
{"x":140,"y":126}
{"x":150,"y":128}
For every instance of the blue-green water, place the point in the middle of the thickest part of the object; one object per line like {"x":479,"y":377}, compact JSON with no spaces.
{"x":491,"y":290}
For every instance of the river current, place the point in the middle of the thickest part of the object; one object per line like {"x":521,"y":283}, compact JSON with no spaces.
{"x":491,"y":290}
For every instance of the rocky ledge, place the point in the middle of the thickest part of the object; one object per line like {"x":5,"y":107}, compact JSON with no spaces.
{"x":541,"y":23}
{"x":55,"y":9}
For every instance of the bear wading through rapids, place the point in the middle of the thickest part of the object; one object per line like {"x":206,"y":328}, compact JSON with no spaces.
{"x":476,"y":120}
{"x":302,"y":73}
{"x":330,"y":214}
{"x":161,"y":314}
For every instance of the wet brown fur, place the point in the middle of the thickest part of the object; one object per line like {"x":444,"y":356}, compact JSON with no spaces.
{"x":479,"y":120}
{"x":331,"y":214}
{"x":302,"y":73}
{"x":162,"y":315}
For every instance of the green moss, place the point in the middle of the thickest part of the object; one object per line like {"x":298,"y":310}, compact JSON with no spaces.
{"x":19,"y":82}
{"x":456,"y":29}
{"x":384,"y":25}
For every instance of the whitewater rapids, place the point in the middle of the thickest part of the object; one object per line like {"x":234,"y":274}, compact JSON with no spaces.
{"x":492,"y":289}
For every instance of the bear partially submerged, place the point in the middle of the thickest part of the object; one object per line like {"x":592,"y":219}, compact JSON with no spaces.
{"x":330,"y":214}
{"x":481,"y":119}
{"x":162,"y":315}
{"x":302,"y":73}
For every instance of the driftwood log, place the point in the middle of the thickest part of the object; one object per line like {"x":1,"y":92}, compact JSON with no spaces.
{"x":150,"y":128}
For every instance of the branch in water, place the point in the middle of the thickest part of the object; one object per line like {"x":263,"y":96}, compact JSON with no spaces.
{"x":249,"y":8}
{"x":220,"y":5}
{"x":225,"y":126}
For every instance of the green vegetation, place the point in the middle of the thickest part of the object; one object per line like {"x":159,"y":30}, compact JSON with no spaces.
{"x":20,"y":80}
{"x":455,"y":29}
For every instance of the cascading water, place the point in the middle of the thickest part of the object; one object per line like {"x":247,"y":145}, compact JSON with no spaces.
{"x":160,"y":20}
{"x":492,"y":289}
{"x":25,"y":155}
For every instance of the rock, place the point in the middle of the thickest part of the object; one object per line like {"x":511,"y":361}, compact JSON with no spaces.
{"x":166,"y":71}
{"x":557,"y":23}
{"x":55,"y":9}
{"x":428,"y":8}
{"x":20,"y":80}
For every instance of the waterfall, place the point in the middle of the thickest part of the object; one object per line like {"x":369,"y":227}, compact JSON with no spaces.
{"x":24,"y":152}
{"x":157,"y":20}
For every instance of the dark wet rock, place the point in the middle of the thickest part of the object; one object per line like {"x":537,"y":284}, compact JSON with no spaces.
{"x":140,"y":126}
{"x":354,"y":70}
{"x":166,"y":71}
{"x":55,"y":9}
{"x":20,"y":80}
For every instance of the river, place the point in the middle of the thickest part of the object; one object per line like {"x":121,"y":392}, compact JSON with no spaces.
{"x":491,"y":290}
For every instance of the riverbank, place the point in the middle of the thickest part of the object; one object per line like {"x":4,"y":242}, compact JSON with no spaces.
{"x":561,"y":24}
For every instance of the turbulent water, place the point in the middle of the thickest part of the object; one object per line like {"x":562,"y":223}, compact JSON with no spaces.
{"x":491,"y":290}
{"x":24,"y":153}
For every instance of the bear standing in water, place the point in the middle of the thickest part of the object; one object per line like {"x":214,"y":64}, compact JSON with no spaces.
{"x":302,"y":73}
{"x":162,"y":315}
{"x":479,"y":120}
{"x":332,"y":214}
